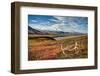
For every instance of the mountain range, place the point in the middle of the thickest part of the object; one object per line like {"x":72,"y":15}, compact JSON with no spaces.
{"x":46,"y":32}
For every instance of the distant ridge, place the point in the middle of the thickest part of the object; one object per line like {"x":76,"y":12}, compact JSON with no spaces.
{"x":46,"y":32}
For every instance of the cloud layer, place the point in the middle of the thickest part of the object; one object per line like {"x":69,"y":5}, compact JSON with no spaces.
{"x":59,"y":23}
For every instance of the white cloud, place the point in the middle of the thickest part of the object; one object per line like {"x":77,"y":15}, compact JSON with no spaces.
{"x":53,"y":20}
{"x":60,"y":18}
{"x":54,"y":27}
{"x":34,"y":20}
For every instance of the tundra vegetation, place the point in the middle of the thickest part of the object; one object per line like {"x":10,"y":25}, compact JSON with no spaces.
{"x":49,"y":47}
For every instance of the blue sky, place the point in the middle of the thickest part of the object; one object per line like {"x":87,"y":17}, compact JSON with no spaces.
{"x":59,"y":23}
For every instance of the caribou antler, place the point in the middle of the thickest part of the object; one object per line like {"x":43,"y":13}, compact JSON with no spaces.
{"x":69,"y":49}
{"x":63,"y":50}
